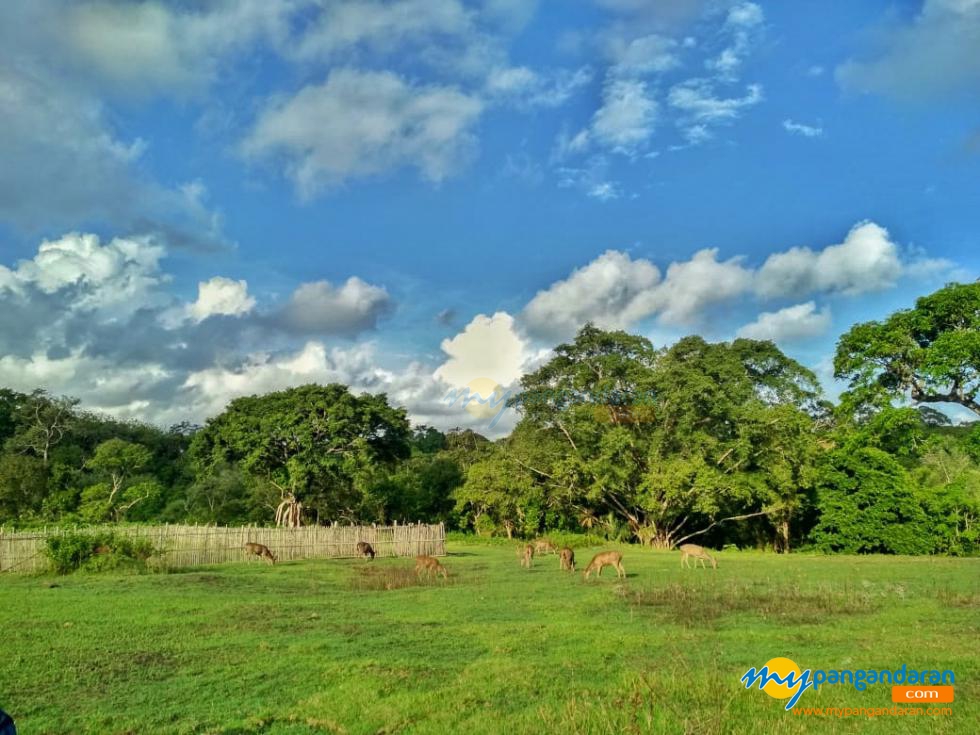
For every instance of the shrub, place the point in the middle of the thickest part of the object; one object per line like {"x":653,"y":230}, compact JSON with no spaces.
{"x":97,"y":551}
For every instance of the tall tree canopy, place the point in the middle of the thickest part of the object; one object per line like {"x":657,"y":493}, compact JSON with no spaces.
{"x":667,"y":439}
{"x":930,"y":353}
{"x":320,"y":443}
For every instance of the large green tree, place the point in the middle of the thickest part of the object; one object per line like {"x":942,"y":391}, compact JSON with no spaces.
{"x":930,"y":353}
{"x":322,"y":444}
{"x":674,"y":442}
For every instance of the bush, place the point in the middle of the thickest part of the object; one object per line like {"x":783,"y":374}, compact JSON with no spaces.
{"x":96,"y":552}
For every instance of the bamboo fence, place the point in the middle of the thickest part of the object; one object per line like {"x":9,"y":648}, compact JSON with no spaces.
{"x":186,"y":546}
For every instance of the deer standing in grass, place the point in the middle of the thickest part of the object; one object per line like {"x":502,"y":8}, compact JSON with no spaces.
{"x":260,"y":550}
{"x":365,"y":550}
{"x":430,"y":565}
{"x":526,"y":556}
{"x":606,"y":559}
{"x":544,"y":546}
{"x":566,"y":560}
{"x":698,"y":553}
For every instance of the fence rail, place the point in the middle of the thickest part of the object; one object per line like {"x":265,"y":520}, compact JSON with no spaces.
{"x":184,"y":546}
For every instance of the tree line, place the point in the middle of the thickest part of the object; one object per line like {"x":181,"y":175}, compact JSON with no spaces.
{"x":720,"y":443}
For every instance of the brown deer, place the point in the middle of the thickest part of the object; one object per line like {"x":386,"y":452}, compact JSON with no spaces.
{"x":430,"y":565}
{"x":364,"y":549}
{"x":260,"y":550}
{"x":606,"y":559}
{"x":698,"y":553}
{"x":527,"y":555}
{"x":566,"y":560}
{"x":544,"y":546}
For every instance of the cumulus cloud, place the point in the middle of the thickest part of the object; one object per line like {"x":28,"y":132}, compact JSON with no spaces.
{"x":794,"y":323}
{"x":617,"y":291}
{"x":98,"y":319}
{"x":359,"y":123}
{"x":488,"y":347}
{"x":692,"y":286}
{"x":867,"y":260}
{"x":607,"y":292}
{"x":322,"y":308}
{"x":932,"y":55}
{"x":120,"y":275}
{"x":222,"y":296}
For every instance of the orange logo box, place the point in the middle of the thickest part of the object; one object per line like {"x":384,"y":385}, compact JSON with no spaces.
{"x":922,"y":695}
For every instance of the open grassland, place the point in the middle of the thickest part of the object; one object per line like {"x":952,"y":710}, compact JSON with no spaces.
{"x":361,"y":647}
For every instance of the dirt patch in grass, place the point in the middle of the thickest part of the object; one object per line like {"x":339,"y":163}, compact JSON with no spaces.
{"x":949,"y":598}
{"x":370,"y":578}
{"x":695,"y":606}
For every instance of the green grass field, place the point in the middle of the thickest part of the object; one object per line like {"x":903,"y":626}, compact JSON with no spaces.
{"x":359,"y":647}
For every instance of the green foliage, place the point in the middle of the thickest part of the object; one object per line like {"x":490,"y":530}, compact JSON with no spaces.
{"x":868,"y":504}
{"x":97,"y":551}
{"x":722,"y":443}
{"x":321,"y":443}
{"x":930,"y":352}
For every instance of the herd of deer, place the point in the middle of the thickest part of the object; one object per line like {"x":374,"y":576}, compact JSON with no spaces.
{"x":429,"y":565}
{"x":424,"y":564}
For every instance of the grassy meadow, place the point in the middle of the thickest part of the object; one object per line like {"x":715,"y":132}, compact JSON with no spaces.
{"x":360,"y":647}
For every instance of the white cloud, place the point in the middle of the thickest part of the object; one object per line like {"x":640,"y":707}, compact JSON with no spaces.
{"x":527,"y":89}
{"x":932,"y":55}
{"x":380,"y":25}
{"x":807,"y":131}
{"x":648,"y":54}
{"x":606,"y":292}
{"x":692,"y":286}
{"x":359,"y":123}
{"x":152,"y":46}
{"x":743,"y":25}
{"x":220,"y":296}
{"x":700,"y":109}
{"x":867,"y":260}
{"x":322,"y":308}
{"x":488,"y":347}
{"x":127,"y":392}
{"x":616,"y":291}
{"x":120,"y":275}
{"x":697,"y":101}
{"x":799,"y":322}
{"x":627,"y":117}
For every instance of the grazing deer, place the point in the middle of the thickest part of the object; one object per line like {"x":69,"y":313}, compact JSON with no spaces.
{"x":566,"y":560}
{"x":544,"y":546}
{"x":606,"y":559}
{"x":364,"y":549}
{"x":527,"y":555}
{"x":260,"y":550}
{"x":430,"y":565}
{"x":698,"y":553}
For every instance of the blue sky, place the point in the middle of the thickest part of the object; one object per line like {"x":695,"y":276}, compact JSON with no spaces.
{"x":205,"y":200}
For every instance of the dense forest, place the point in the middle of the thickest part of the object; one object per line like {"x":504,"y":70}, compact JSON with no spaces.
{"x":723,"y":443}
